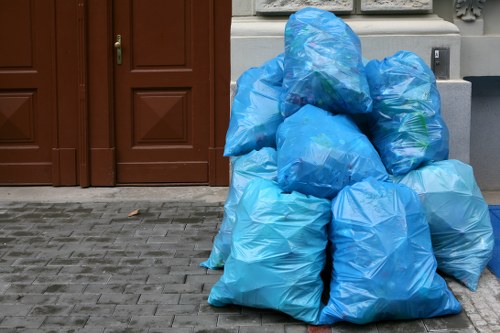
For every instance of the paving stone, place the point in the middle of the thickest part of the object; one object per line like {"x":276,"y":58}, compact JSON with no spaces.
{"x":454,"y":322}
{"x":36,"y":299}
{"x":413,"y":326}
{"x":105,"y":288}
{"x":22,"y":322}
{"x":300,"y":328}
{"x":184,"y":288}
{"x":107,"y":321}
{"x":177,"y":309}
{"x":263,"y":329}
{"x":151,"y":321}
{"x":232,"y":320}
{"x":143,"y":289}
{"x":76,"y":298}
{"x":195,"y":321}
{"x":215,"y":330}
{"x":137,"y":309}
{"x":64,"y":288}
{"x":193,"y":298}
{"x":126,"y":330}
{"x":93,"y":310}
{"x":206,"y":308}
{"x":15,"y":309}
{"x":172,"y":330}
{"x":117,"y":299}
{"x":66,"y":321}
{"x":50,"y":310}
{"x":159,"y":299}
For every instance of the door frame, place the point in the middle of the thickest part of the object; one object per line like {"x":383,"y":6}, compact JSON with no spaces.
{"x":97,"y":151}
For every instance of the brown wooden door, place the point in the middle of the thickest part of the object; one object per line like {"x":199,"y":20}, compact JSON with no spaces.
{"x":27,"y":113}
{"x":162,"y":93}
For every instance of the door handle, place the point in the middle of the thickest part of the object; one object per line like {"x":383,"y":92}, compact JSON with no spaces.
{"x":118,"y":47}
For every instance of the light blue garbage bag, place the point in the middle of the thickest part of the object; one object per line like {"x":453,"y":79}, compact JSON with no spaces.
{"x":277,"y":254}
{"x":257,"y":164}
{"x":319,"y":153}
{"x":323,"y":65}
{"x":255,"y":113}
{"x":458,"y":216}
{"x":383,"y":264}
{"x":407,"y":127}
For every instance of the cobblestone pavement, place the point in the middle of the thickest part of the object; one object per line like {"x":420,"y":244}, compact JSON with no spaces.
{"x":88,"y":267}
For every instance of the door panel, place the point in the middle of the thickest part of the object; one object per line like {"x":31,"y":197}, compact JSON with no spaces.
{"x":162,"y":91}
{"x":26,"y":91}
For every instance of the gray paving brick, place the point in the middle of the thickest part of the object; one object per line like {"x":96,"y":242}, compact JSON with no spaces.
{"x":459,"y":321}
{"x":36,"y":299}
{"x":50,"y":310}
{"x":128,"y":279}
{"x":232,"y":320}
{"x":172,"y":330}
{"x":63,"y":288}
{"x":76,"y":298}
{"x":105,"y":288}
{"x":93,"y":310}
{"x":25,"y":289}
{"x":15,"y":309}
{"x":107,"y":321}
{"x":66,"y":321}
{"x":215,"y":330}
{"x":206,"y":308}
{"x":413,"y":326}
{"x":195,"y":321}
{"x":159,"y":299}
{"x":263,"y":329}
{"x":118,"y":299}
{"x":176,"y":309}
{"x":137,"y":310}
{"x":184,"y":288}
{"x":151,"y":321}
{"x":193,"y":298}
{"x":165,"y":279}
{"x":301,"y":328}
{"x":143,"y":289}
{"x":22,"y":322}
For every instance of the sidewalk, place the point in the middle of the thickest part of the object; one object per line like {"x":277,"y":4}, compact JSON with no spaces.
{"x":72,"y":261}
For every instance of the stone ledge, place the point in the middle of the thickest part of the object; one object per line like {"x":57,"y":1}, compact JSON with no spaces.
{"x":362,"y":25}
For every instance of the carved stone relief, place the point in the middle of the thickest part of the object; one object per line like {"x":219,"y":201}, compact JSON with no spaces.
{"x":396,"y":5}
{"x":289,"y":6}
{"x":469,"y":10}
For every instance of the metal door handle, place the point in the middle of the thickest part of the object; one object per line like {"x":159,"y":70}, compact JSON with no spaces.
{"x":118,"y":47}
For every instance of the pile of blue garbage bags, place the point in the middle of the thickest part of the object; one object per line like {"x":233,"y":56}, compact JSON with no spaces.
{"x":342,"y":165}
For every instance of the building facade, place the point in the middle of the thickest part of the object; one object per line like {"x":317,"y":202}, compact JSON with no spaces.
{"x":135,"y":92}
{"x":467,"y":32}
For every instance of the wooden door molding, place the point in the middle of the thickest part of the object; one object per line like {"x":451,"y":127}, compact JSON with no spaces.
{"x":28,"y":119}
{"x":100,"y":92}
{"x":100,"y":85}
{"x":219,"y":165}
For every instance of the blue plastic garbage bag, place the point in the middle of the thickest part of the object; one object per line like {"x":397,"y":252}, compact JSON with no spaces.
{"x":255,"y":113}
{"x":323,"y":65}
{"x":319,"y":153}
{"x":458,"y":216}
{"x":277,"y":254}
{"x":257,"y":164}
{"x":407,"y":127}
{"x":383,"y":265}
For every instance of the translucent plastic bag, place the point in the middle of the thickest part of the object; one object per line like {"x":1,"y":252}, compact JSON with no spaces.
{"x":383,"y":265}
{"x":257,"y":164}
{"x":319,"y":153}
{"x":458,"y":216}
{"x":323,"y":65}
{"x":277,"y":254}
{"x":255,"y":113}
{"x":407,"y":128}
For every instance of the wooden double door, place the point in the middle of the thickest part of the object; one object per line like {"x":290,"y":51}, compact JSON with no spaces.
{"x":103,"y":93}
